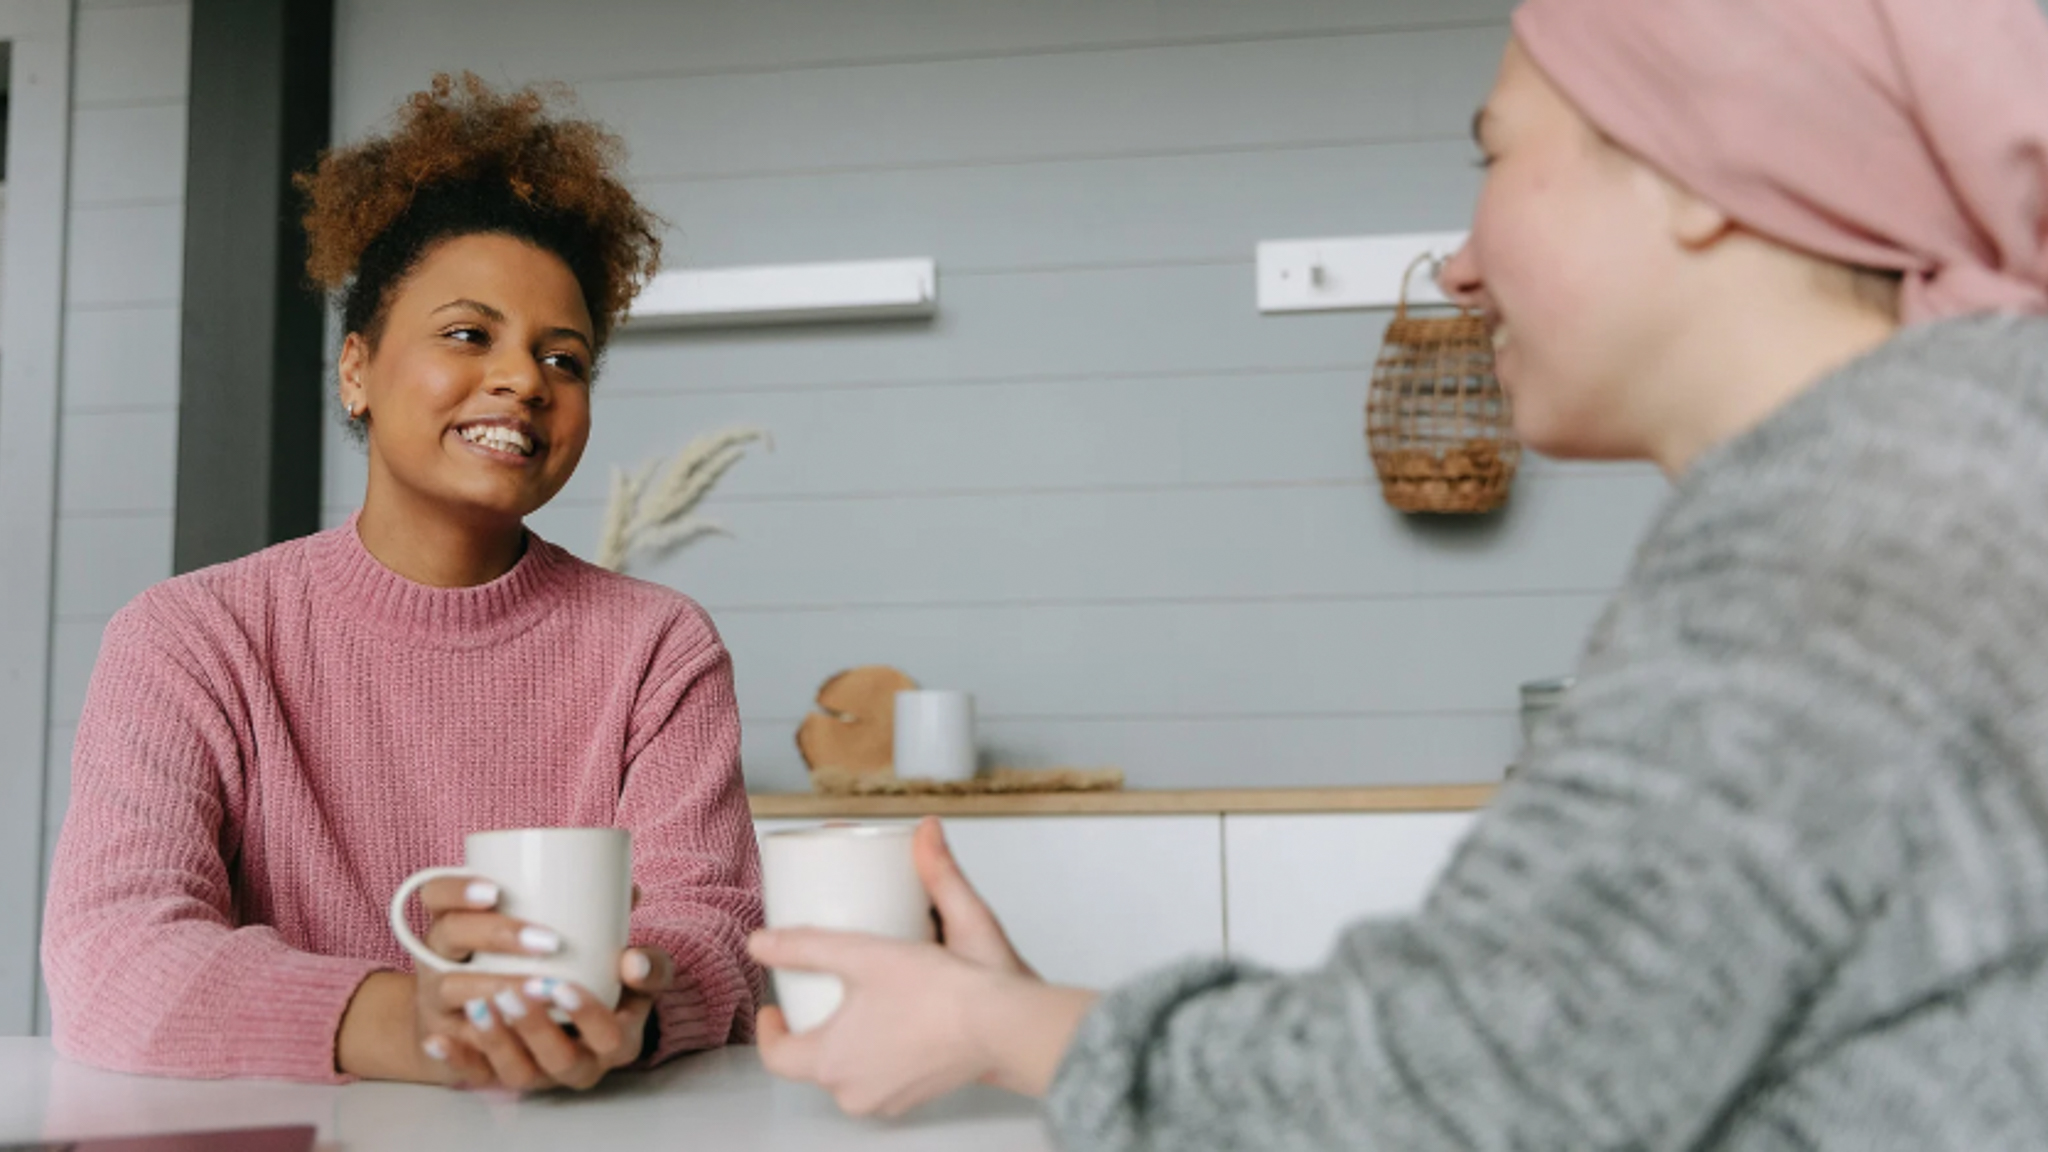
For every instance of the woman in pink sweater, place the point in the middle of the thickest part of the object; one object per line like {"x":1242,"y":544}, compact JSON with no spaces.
{"x":271,"y":746}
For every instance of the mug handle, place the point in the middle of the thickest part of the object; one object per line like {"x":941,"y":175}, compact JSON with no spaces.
{"x":399,"y":928}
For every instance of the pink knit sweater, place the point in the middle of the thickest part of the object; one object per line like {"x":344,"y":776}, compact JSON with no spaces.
{"x":270,"y":746}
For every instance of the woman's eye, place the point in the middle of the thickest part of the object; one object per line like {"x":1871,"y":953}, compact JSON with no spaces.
{"x":564,"y":362}
{"x":468,"y":335}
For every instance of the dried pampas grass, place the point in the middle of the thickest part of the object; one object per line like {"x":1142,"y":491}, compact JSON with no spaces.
{"x":650,"y":513}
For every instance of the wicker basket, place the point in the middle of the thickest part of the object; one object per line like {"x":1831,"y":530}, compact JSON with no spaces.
{"x":1438,"y":423}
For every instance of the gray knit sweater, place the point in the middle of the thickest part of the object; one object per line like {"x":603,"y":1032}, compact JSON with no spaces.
{"x":1776,"y":875}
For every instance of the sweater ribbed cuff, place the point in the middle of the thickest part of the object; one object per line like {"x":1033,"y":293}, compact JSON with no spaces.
{"x":284,"y":1022}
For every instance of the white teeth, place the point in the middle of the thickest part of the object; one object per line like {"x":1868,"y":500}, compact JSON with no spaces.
{"x":503,"y":439}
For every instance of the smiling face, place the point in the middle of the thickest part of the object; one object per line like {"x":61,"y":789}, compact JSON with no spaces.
{"x":1575,"y":259}
{"x":476,"y":392}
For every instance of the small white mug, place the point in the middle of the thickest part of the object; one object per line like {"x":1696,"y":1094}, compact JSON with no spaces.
{"x":935,"y":735}
{"x":846,"y":877}
{"x":576,"y":881}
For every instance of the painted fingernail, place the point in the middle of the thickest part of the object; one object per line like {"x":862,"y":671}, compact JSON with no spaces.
{"x":481,"y":894}
{"x":510,"y":1005}
{"x":540,"y":941}
{"x":638,"y":966}
{"x":549,"y":988}
{"x":435,"y":1048}
{"x":479,"y":1011}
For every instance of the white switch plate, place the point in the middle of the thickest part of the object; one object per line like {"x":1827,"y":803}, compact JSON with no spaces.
{"x":1349,"y":271}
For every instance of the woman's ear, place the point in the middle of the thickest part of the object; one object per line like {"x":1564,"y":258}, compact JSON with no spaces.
{"x":355,"y":362}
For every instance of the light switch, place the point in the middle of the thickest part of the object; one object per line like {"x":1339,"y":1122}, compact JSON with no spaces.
{"x":1349,"y":271}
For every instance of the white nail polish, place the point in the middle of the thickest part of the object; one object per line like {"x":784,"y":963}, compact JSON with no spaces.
{"x":638,"y":966}
{"x":566,"y":998}
{"x":510,"y":1004}
{"x":541,"y":988}
{"x":479,"y":1011}
{"x":539,"y":941}
{"x":435,"y":1048}
{"x":481,"y":894}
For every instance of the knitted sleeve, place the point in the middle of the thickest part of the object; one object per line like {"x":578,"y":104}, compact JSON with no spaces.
{"x":694,"y":854}
{"x":147,"y":969}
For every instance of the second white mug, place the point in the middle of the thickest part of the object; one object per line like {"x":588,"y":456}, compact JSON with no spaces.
{"x":846,"y":877}
{"x":935,"y":735}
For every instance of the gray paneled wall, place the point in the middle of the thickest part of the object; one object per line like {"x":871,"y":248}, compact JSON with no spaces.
{"x":1099,"y":489}
{"x":119,"y":418}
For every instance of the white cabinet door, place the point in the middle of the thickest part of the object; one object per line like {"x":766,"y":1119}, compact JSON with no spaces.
{"x":1092,"y":900}
{"x":1294,"y":882}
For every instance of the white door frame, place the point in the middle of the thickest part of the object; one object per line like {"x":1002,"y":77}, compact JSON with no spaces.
{"x":36,"y":221}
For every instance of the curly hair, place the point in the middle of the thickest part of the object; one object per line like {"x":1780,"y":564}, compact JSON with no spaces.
{"x":464,"y":159}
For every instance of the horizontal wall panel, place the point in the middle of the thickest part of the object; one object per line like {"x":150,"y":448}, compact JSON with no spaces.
{"x":103,"y":562}
{"x":75,"y":646}
{"x":1558,"y":534}
{"x":1145,"y":321}
{"x":132,"y":55}
{"x":122,"y":358}
{"x":119,"y":462}
{"x":132,"y":254}
{"x":1206,"y":97}
{"x":1267,"y":428}
{"x":128,"y":154}
{"x":1219,"y":752}
{"x":1289,"y":658}
{"x":1077,"y":212}
{"x":1068,"y":435}
{"x":385,"y":48}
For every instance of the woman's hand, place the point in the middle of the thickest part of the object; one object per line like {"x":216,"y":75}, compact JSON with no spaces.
{"x":509,"y":1038}
{"x":919,"y":1020}
{"x":497,"y":1031}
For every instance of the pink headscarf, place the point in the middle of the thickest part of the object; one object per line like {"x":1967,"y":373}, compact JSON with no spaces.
{"x":1908,"y":135}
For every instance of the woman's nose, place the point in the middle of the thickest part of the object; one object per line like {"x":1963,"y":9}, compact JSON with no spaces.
{"x":1459,"y":279}
{"x":519,"y":378}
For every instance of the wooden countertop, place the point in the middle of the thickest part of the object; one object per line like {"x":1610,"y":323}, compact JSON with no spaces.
{"x":1128,"y":802}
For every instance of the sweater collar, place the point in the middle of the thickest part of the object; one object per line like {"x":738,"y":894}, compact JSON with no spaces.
{"x":425,"y":616}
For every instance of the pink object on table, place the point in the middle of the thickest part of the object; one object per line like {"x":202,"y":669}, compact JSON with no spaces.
{"x":269,"y":747}
{"x":1906,"y":135}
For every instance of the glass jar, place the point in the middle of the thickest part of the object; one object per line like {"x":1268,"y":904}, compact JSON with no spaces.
{"x":1539,"y":699}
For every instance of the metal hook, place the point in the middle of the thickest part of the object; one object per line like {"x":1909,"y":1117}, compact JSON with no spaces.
{"x":1436,"y":269}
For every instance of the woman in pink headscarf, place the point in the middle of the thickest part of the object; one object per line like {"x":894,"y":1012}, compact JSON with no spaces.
{"x":1776,"y":876}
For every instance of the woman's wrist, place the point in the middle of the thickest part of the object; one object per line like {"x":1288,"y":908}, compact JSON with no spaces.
{"x":379,"y":1037}
{"x":1025,"y":1027}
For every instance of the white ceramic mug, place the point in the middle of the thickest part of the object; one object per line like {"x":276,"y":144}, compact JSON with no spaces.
{"x":934,"y":735}
{"x":847,"y":877}
{"x":576,"y":881}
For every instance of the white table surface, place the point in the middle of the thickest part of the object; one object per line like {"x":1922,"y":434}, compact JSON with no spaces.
{"x":715,"y":1100}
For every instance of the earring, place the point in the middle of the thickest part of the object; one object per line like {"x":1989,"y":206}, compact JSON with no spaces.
{"x":355,"y":412}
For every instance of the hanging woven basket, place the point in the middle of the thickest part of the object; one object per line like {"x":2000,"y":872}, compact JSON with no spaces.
{"x":1437,"y":421}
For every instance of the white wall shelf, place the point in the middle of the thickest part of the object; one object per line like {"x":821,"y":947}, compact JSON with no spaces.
{"x":1340,"y":272}
{"x":789,"y":294}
